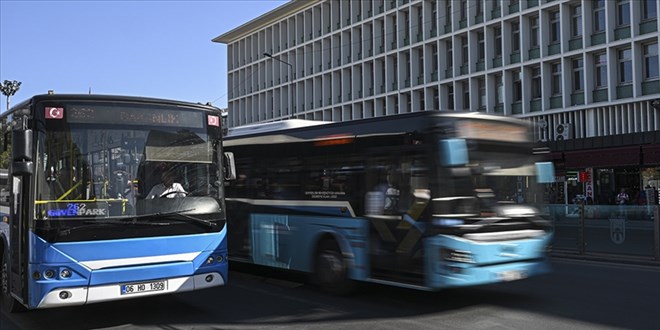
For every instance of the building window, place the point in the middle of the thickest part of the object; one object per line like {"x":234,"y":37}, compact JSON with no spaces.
{"x":482,"y":93}
{"x":434,"y":15}
{"x":420,"y":65}
{"x":466,"y":95}
{"x":536,"y":82}
{"x":395,"y":71}
{"x":623,"y":13}
{"x":600,"y":60}
{"x":465,"y":50}
{"x":555,"y":27}
{"x":450,"y":97}
{"x":517,"y":86}
{"x":534,"y":31}
{"x":499,"y":95}
{"x":482,"y":47}
{"x":463,"y":10}
{"x":498,"y":41}
{"x":599,"y":16}
{"x":434,"y":58}
{"x":395,"y":28}
{"x":651,"y":70}
{"x":625,"y":66}
{"x":649,"y":9}
{"x":576,"y":21}
{"x":450,"y":55}
{"x":496,"y":5}
{"x":515,"y":37}
{"x":479,"y":8}
{"x":448,"y":12}
{"x":556,"y":78}
{"x":578,"y":74}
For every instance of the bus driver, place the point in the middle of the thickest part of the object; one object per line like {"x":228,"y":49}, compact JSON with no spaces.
{"x":168,"y":188}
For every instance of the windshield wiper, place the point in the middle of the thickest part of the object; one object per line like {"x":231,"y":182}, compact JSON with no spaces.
{"x":186,"y":217}
{"x":90,"y":223}
{"x":152,"y":215}
{"x":133,"y":220}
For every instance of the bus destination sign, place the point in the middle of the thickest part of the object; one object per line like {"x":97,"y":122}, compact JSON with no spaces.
{"x":127,"y":115}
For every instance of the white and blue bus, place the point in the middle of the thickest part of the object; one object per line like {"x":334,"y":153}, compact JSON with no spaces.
{"x":425,"y":200}
{"x":78,"y":223}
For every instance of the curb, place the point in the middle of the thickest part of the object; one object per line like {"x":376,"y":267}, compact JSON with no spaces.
{"x":606,"y":258}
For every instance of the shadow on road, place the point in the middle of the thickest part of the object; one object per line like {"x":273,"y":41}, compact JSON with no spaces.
{"x":584,"y":295}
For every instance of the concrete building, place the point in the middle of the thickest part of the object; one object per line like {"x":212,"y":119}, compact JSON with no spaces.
{"x":587,"y":73}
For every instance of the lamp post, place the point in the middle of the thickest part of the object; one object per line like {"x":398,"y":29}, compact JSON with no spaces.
{"x":9,"y":88}
{"x":291,"y":85}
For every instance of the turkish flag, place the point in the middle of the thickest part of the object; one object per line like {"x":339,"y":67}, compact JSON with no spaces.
{"x":54,"y":113}
{"x":214,"y":121}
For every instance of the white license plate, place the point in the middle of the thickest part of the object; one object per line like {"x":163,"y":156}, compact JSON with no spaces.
{"x":511,"y":275}
{"x":143,"y":287}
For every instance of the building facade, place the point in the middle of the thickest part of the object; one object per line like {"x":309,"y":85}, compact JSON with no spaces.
{"x":585,"y":72}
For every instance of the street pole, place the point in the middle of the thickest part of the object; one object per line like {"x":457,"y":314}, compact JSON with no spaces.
{"x":9,"y":88}
{"x":291,"y":83}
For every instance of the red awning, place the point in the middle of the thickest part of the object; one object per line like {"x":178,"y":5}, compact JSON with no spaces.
{"x":651,"y":154}
{"x":605,"y":157}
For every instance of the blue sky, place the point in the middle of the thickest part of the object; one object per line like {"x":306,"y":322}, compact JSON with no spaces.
{"x":146,"y":48}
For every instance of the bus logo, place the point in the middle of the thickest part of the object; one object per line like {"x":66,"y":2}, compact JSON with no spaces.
{"x":54,"y":113}
{"x":618,"y":230}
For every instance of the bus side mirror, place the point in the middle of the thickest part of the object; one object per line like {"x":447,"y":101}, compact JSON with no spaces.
{"x":545,"y":172}
{"x":21,"y":152}
{"x":453,"y":152}
{"x":229,"y":166}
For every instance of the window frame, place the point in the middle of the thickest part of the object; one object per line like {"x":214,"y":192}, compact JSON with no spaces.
{"x":600,"y":72}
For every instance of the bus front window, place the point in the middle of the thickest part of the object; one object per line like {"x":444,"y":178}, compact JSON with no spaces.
{"x":105,"y":172}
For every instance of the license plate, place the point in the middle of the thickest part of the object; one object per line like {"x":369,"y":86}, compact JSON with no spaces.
{"x":511,"y":275}
{"x":131,"y":288}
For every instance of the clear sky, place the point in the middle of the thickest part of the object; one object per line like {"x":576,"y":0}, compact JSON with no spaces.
{"x":157,"y":49}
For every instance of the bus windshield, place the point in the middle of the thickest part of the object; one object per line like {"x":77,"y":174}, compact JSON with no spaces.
{"x":111,"y":169}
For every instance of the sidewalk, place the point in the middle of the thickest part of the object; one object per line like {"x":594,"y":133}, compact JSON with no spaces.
{"x":602,"y":257}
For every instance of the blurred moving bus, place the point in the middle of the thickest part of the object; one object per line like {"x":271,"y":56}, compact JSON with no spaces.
{"x":78,"y":227}
{"x":425,"y":200}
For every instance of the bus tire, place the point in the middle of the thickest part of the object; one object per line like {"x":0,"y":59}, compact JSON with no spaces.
{"x":7,"y":302}
{"x":331,"y":270}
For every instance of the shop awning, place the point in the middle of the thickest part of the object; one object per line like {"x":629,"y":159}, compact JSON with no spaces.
{"x":606,"y":157}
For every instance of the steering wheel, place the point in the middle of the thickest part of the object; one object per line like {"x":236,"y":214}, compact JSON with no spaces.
{"x":185,"y":193}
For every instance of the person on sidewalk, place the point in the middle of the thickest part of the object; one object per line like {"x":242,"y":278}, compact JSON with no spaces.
{"x":622,"y":199}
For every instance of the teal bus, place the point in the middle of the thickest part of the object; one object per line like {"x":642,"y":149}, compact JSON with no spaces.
{"x":77,"y":226}
{"x":425,"y":200}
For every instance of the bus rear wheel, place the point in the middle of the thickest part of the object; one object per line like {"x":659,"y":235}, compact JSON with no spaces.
{"x":7,"y":302}
{"x":331,"y":271}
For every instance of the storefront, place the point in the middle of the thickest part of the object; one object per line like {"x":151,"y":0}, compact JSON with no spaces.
{"x":596,"y":176}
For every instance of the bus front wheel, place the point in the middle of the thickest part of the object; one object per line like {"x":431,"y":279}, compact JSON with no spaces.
{"x":9,"y":304}
{"x":331,"y":271}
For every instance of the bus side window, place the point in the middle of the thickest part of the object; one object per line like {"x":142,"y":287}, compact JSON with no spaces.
{"x":4,"y":187}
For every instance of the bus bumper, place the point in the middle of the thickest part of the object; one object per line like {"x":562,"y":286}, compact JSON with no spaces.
{"x":86,"y":295}
{"x":454,"y":261}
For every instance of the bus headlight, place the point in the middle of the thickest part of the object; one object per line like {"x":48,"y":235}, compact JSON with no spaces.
{"x":49,"y":273}
{"x":65,"y":273}
{"x":516,"y":211}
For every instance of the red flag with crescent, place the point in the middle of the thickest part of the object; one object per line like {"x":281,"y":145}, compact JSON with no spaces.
{"x":213,"y":120}
{"x":54,"y":113}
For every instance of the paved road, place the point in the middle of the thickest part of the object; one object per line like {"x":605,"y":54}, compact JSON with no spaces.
{"x":577,"y":295}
